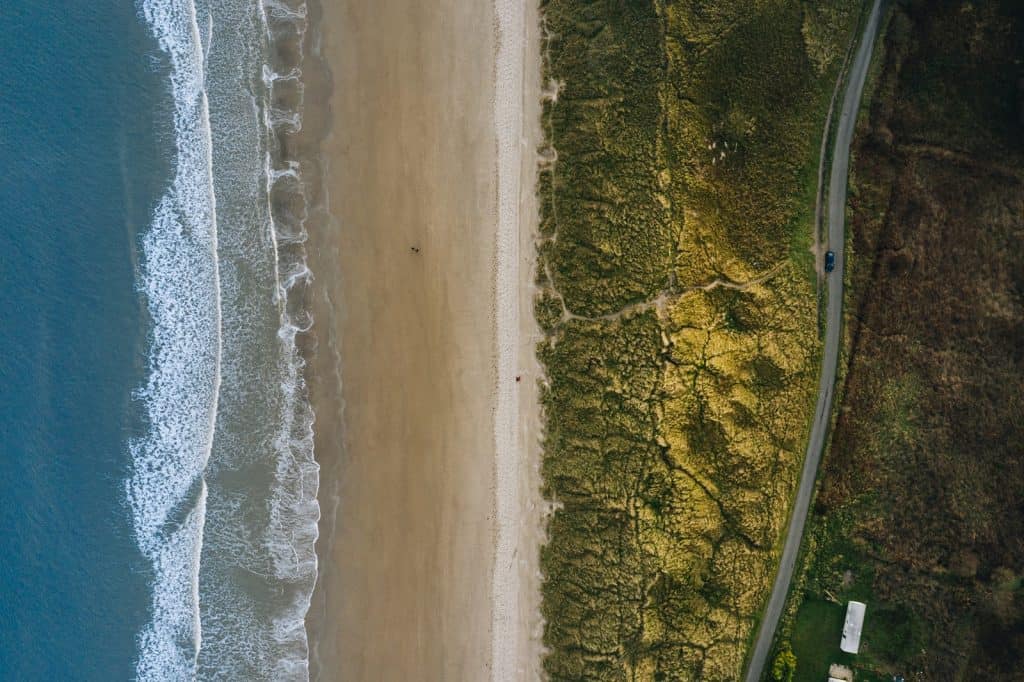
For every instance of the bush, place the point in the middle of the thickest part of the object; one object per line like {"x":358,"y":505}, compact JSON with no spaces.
{"x":784,"y":667}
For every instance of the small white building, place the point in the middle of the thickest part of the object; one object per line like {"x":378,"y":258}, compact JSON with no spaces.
{"x":839,"y":673}
{"x":852,"y":627}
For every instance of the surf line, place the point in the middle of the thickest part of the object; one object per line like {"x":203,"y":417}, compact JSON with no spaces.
{"x":180,"y":248}
{"x":201,"y":56}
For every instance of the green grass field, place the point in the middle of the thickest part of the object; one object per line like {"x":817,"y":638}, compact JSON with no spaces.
{"x":816,"y":635}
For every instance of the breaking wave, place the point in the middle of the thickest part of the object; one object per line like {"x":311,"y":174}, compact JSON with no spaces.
{"x":223,"y":486}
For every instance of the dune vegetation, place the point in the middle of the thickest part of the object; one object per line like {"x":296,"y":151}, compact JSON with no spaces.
{"x":678,"y":298}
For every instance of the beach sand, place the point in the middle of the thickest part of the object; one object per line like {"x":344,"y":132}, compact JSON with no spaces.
{"x":422,"y":256}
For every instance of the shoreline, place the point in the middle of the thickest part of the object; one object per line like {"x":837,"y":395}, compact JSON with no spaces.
{"x":323,"y":375}
{"x":428,"y":446}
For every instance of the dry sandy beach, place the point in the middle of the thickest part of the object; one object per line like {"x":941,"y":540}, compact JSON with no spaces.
{"x":422,"y":253}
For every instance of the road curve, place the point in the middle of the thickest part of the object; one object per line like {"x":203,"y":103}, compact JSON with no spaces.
{"x":833,"y":335}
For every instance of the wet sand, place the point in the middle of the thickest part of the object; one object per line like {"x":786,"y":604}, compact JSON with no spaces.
{"x":405,"y":375}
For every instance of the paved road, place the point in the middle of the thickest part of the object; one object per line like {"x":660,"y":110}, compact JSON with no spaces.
{"x":833,"y":336}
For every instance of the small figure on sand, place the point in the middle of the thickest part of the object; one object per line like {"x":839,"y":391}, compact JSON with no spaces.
{"x":517,"y":378}
{"x":415,"y":249}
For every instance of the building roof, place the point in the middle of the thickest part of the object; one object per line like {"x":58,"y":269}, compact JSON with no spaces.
{"x":839,"y":673}
{"x":852,"y":627}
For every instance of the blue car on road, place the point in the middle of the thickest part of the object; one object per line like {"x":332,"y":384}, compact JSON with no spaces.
{"x":830,"y":261}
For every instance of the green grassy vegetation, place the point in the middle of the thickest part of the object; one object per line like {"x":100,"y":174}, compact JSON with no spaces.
{"x":815,"y":642}
{"x":918,"y":511}
{"x":816,"y":632}
{"x":678,"y":302}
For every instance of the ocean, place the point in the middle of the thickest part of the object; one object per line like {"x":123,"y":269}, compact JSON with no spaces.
{"x":158,"y":503}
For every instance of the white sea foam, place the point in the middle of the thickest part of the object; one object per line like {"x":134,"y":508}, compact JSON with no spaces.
{"x":170,"y":643}
{"x":225,"y":399}
{"x":180,"y":280}
{"x":295,"y":511}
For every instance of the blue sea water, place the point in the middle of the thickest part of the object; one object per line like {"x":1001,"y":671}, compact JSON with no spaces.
{"x":157,"y":484}
{"x":79,"y":172}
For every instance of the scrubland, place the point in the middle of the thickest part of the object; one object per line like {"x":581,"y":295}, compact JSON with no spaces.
{"x":679,"y":306}
{"x":919,"y":509}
